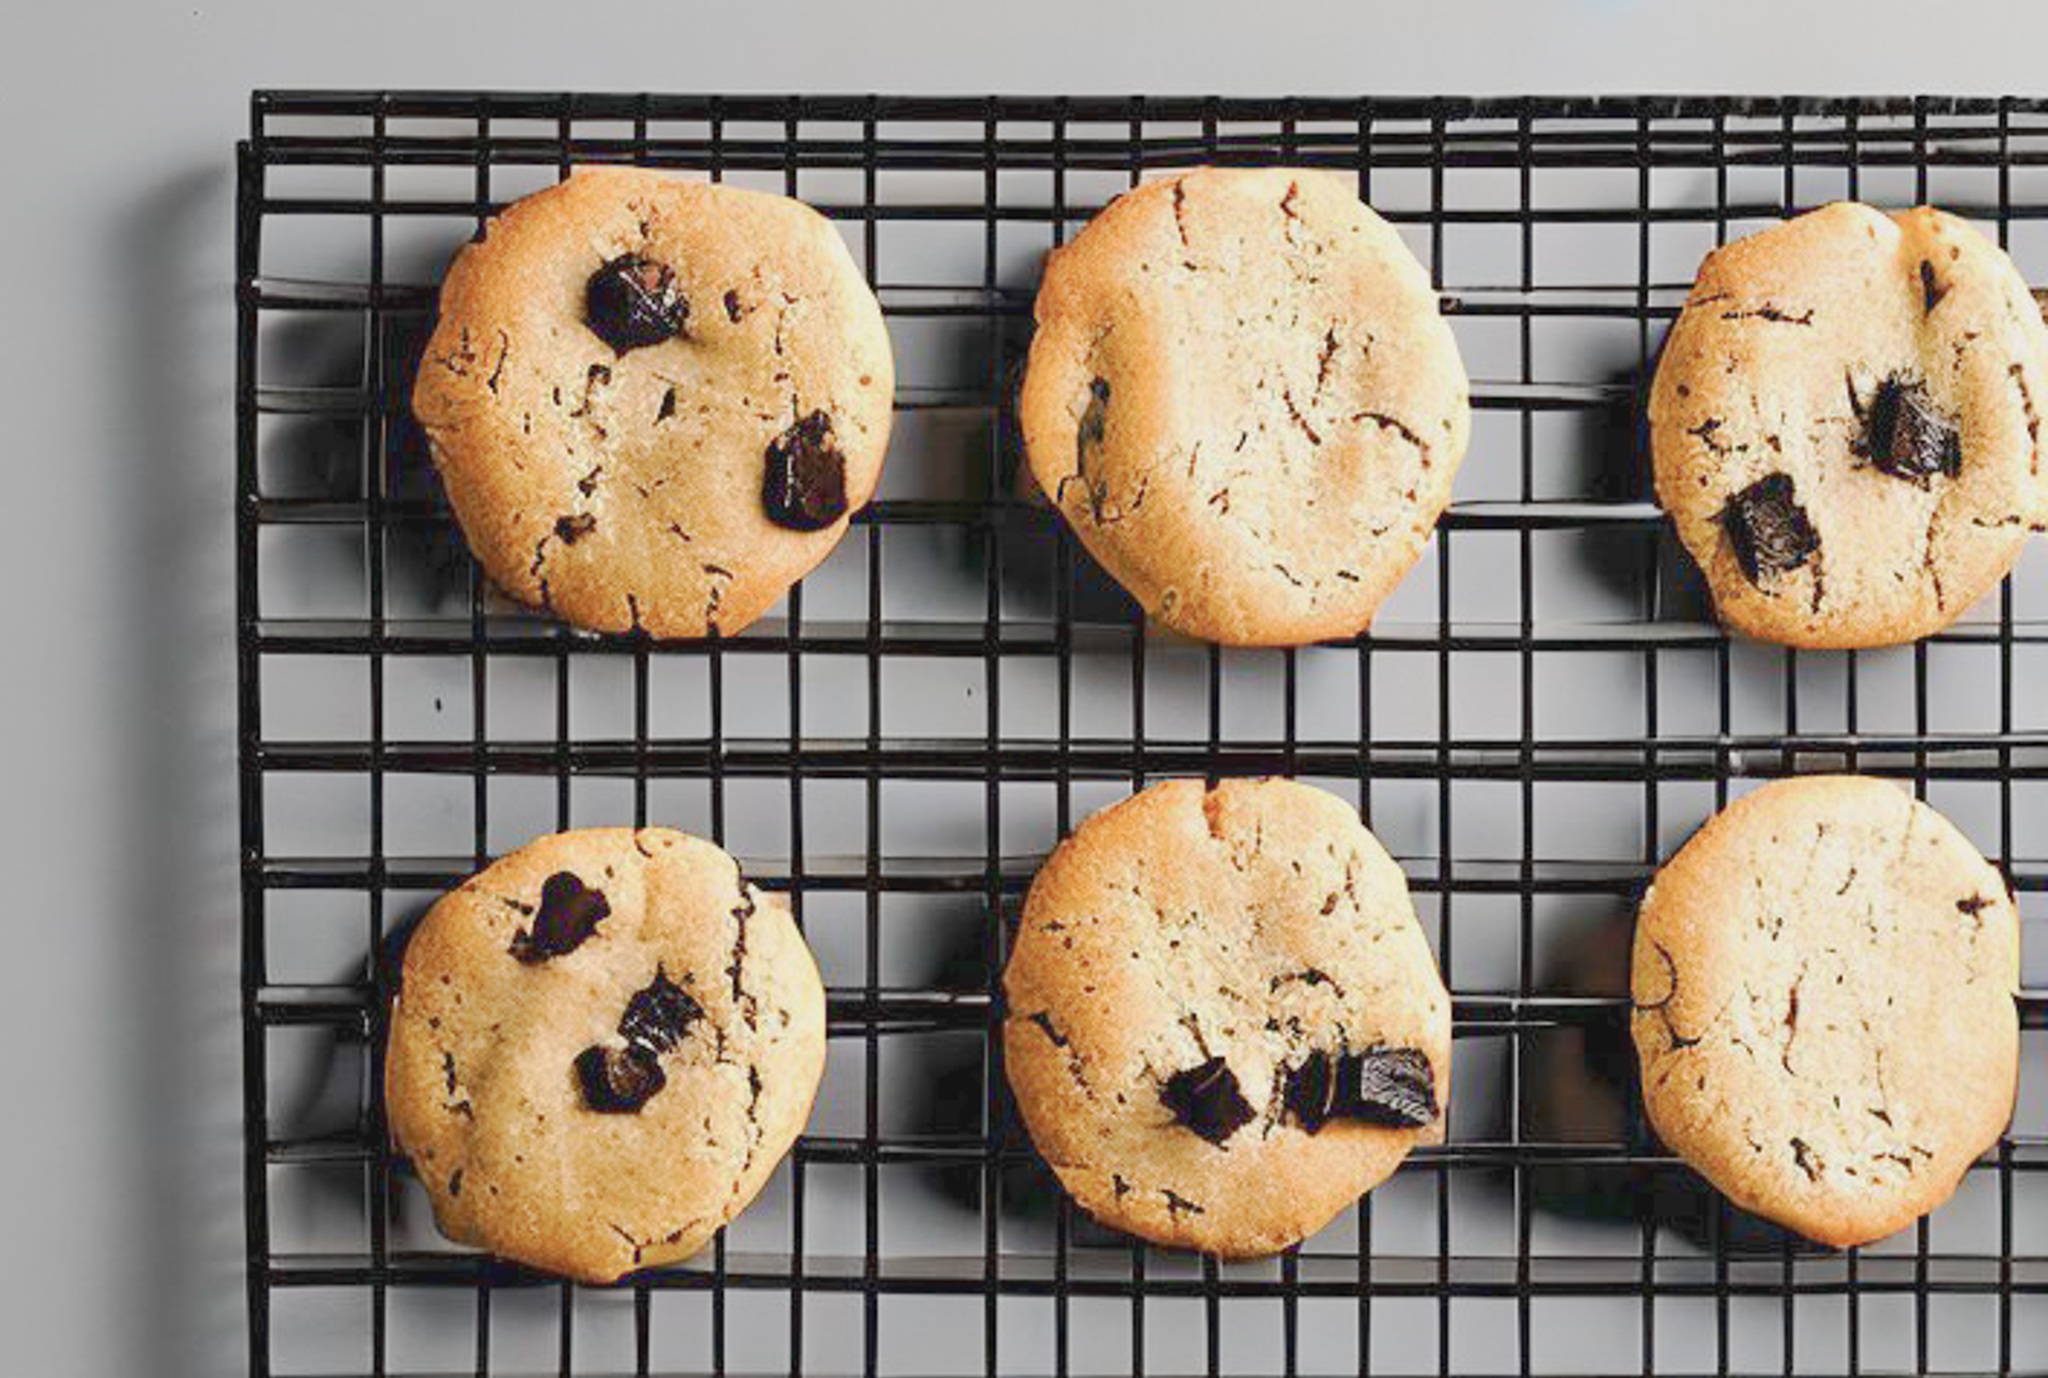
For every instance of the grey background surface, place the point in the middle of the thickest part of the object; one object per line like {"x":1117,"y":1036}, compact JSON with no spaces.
{"x":123,"y":1170}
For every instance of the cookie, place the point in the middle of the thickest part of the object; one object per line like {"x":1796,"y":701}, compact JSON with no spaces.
{"x":1224,"y":1023}
{"x":601,"y":1046}
{"x":1846,"y":425}
{"x":1823,"y":986}
{"x":655,"y":403}
{"x":1243,"y":399}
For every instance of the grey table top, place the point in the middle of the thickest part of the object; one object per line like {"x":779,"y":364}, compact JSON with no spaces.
{"x":124,"y":1174}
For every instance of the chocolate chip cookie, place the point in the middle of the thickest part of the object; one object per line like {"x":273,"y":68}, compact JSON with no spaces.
{"x":1224,"y":1023}
{"x":1846,"y":425}
{"x":654,"y":403}
{"x":1242,"y":397}
{"x":1823,"y":986}
{"x":601,"y":1047}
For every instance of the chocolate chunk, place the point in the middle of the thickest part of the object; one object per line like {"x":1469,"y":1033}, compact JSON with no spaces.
{"x":732,"y":306}
{"x":1309,"y":1092}
{"x":659,"y":1014}
{"x":1088,"y":436}
{"x":1807,"y":1160}
{"x":1206,"y":1100}
{"x":1391,"y":1087}
{"x":1094,"y":424}
{"x":569,"y":913}
{"x":804,"y":487}
{"x":1095,"y":417}
{"x":1931,"y":290}
{"x":572,"y":529}
{"x":633,"y":301}
{"x":618,"y":1081}
{"x":1768,"y":528}
{"x":1904,"y":436}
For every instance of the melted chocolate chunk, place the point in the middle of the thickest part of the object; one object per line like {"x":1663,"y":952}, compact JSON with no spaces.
{"x":618,"y":1081}
{"x":1094,"y":419}
{"x":1768,"y":528}
{"x":1088,"y":436}
{"x":659,"y":1014}
{"x":1309,"y":1092}
{"x":633,"y":301}
{"x":574,"y":528}
{"x":1206,"y":1100}
{"x":804,"y":487}
{"x":1931,"y":288}
{"x":1905,"y":437}
{"x":1391,"y":1087}
{"x":569,"y":913}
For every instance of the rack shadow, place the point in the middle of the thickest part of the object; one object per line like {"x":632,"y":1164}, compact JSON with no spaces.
{"x":1609,"y":461}
{"x":1581,"y":1088}
{"x":950,"y":1102}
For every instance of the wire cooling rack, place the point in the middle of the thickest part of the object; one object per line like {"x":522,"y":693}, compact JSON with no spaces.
{"x":1543,"y":710}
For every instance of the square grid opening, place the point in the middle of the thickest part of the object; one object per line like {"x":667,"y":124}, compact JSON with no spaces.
{"x":1543,"y":711}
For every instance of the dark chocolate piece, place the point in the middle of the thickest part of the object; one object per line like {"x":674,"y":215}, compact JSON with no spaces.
{"x":659,"y":1014}
{"x":1088,"y":437}
{"x":572,"y":529}
{"x":569,"y":913}
{"x":633,"y":301}
{"x":1206,"y":1099}
{"x":1905,"y":437}
{"x":804,"y":487}
{"x":1094,"y":422}
{"x":1931,"y":288}
{"x":1768,"y":528}
{"x":1309,"y":1092}
{"x":618,"y":1081}
{"x":1391,"y":1087}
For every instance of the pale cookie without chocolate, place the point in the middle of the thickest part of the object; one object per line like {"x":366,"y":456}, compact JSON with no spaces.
{"x":1243,"y":399}
{"x":654,"y":403}
{"x":601,"y":1047}
{"x":1846,"y":425}
{"x":1224,"y":1023}
{"x":1823,"y":985}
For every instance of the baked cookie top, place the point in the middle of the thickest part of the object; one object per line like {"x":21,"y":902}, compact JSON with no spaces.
{"x":601,"y":1047}
{"x":1242,"y":397}
{"x":1224,"y":1023}
{"x":655,"y":402}
{"x":1823,"y":984}
{"x":1846,"y":425}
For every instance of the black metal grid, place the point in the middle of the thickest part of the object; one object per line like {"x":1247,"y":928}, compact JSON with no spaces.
{"x":1469,"y":1273}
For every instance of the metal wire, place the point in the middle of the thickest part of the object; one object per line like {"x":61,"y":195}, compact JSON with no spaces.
{"x":382,"y":163}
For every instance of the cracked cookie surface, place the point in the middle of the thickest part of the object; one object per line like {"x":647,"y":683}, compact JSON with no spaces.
{"x":1223,"y":1021}
{"x":1243,"y":399}
{"x":654,"y":403}
{"x":1846,"y":425}
{"x":601,"y":1046}
{"x":1823,"y":986}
